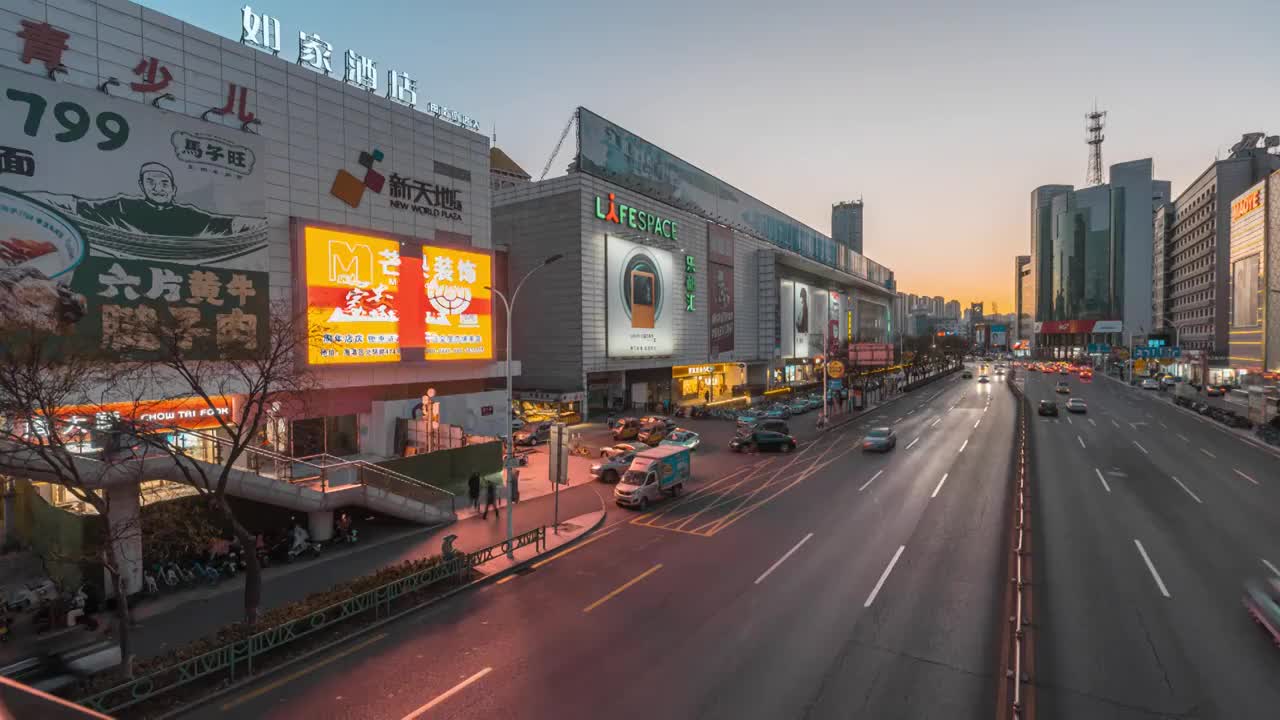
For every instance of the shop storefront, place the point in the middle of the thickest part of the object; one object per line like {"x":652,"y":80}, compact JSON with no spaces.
{"x":707,"y":384}
{"x":533,"y":407}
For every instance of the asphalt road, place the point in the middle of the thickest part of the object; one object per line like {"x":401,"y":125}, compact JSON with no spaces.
{"x":1150,"y":520}
{"x":823,"y":583}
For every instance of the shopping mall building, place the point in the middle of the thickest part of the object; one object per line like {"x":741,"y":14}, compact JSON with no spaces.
{"x":673,"y":286}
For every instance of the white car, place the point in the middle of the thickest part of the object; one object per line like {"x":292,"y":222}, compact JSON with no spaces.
{"x":1150,"y":384}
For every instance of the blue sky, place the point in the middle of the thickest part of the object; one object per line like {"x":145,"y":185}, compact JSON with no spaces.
{"x":941,"y":115}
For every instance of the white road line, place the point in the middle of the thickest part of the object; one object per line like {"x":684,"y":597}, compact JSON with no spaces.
{"x":953,"y":407}
{"x":1080,"y":440}
{"x":1246,"y":477}
{"x":873,"y":479}
{"x":1184,"y":487}
{"x":910,"y":413}
{"x":884,"y":576}
{"x":939,"y":488}
{"x":1163,"y":590}
{"x":986,"y":408}
{"x":1166,"y":427}
{"x":1144,"y":450}
{"x":975,"y":425}
{"x":448,"y":694}
{"x":1069,"y":420}
{"x":782,"y":559}
{"x":935,"y":422}
{"x":965,"y":445}
{"x":1113,"y":422}
{"x":1270,"y":567}
{"x":1102,"y":480}
{"x":1091,"y":422}
{"x":1206,"y":452}
{"x":897,"y":420}
{"x":913,"y":442}
{"x":1183,"y":438}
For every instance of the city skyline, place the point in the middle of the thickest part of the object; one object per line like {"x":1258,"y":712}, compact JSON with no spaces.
{"x":943,"y":113}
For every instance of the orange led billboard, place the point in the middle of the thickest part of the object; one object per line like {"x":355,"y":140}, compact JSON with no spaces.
{"x":378,"y":299}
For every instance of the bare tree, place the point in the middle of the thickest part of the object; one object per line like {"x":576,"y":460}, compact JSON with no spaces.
{"x":42,"y":376}
{"x":265,"y":370}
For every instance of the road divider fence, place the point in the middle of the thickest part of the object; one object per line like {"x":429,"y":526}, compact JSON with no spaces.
{"x":1016,"y":676}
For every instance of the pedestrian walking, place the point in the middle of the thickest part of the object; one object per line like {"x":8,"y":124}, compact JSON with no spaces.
{"x":491,"y":501}
{"x":473,"y":490}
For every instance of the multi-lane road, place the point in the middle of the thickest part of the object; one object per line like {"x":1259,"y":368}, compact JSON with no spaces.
{"x":824,"y":583}
{"x":1149,"y":521}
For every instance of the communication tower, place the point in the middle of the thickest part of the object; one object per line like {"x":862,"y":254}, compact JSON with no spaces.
{"x":1093,"y":122}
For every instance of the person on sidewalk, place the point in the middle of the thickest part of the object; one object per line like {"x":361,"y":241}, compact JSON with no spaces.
{"x":491,"y":500}
{"x":473,"y":490}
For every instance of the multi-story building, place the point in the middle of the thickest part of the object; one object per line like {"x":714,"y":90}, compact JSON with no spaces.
{"x":1042,"y":249}
{"x":939,"y":306}
{"x":1253,"y":344}
{"x":898,"y":324}
{"x":1022,"y":299}
{"x":1195,"y":255}
{"x":953,"y":310}
{"x":846,"y":224}
{"x":1099,"y":241}
{"x":505,"y":173}
{"x":1161,"y":237}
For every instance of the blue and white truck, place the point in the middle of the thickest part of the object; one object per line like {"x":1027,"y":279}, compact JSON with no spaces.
{"x":654,"y":472}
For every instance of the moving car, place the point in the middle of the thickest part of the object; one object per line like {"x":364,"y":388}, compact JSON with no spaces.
{"x":1150,"y":384}
{"x":1047,"y":407}
{"x":1062,"y":388}
{"x":1077,"y":405}
{"x":983,"y":379}
{"x":683,"y":438}
{"x":612,"y":468}
{"x":652,"y":433}
{"x":967,"y":374}
{"x":534,"y":434}
{"x":1063,"y":371}
{"x":770,"y":424}
{"x":1214,"y":390}
{"x":653,"y":473}
{"x":1086,"y":375}
{"x":626,"y":429}
{"x":1170,"y":380}
{"x":881,"y":439}
{"x":761,"y":440}
{"x":1262,"y":600}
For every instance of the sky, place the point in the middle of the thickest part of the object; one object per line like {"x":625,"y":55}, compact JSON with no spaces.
{"x":942,"y":116}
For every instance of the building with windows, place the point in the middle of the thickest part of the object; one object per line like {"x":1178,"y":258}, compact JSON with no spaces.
{"x":1253,"y":318}
{"x":1192,"y":297}
{"x":504,"y":173}
{"x":1099,"y":243}
{"x":952,"y":310}
{"x":1023,"y":299}
{"x":846,"y":224}
{"x":1042,"y":249}
{"x":668,"y":292}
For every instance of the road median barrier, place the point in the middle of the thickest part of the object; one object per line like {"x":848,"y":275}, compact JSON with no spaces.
{"x":1015,"y":696}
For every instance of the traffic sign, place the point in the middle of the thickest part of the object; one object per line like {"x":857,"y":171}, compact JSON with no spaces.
{"x":1154,"y":353}
{"x":835,"y":369}
{"x":1099,"y":348}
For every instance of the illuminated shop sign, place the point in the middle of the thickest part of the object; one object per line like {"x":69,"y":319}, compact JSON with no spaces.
{"x":376,"y":299}
{"x":690,"y":282}
{"x":1246,"y":204}
{"x":611,"y":210}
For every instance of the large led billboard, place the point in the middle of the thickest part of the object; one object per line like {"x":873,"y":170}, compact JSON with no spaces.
{"x":640,"y":302}
{"x":375,"y":298}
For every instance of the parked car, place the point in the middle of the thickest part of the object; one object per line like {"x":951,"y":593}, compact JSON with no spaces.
{"x":683,"y":438}
{"x":1077,"y":405}
{"x":626,"y":429}
{"x":1047,"y":407}
{"x":1214,"y":390}
{"x":778,"y":412}
{"x":747,"y":418}
{"x":799,"y":406}
{"x":652,"y":433}
{"x":517,"y":422}
{"x":761,"y":440}
{"x":666,"y":421}
{"x":1150,"y":384}
{"x":881,"y":439}
{"x":613,"y":467}
{"x":1062,"y":388}
{"x":533,"y":434}
{"x":1170,"y":380}
{"x":619,"y":449}
{"x":814,"y":402}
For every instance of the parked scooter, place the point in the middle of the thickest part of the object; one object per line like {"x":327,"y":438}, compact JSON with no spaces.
{"x":300,"y":544}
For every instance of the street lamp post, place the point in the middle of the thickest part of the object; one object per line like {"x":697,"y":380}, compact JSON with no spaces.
{"x":509,"y":460}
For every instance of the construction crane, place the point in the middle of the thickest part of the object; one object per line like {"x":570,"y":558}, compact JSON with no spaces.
{"x":559,"y":143}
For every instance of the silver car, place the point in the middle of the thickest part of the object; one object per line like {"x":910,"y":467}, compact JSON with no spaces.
{"x":610,"y":469}
{"x":881,"y":439}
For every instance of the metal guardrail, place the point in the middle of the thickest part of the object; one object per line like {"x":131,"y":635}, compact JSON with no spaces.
{"x":235,"y":660}
{"x":1018,"y":656}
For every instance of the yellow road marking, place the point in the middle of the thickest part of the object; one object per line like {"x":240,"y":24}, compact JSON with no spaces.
{"x":506,"y":579}
{"x":621,"y":588}
{"x":579,"y":546}
{"x":294,"y":676}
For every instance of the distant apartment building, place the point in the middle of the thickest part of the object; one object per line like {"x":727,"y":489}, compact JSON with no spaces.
{"x":953,"y":310}
{"x":1193,"y":296}
{"x":846,"y":224}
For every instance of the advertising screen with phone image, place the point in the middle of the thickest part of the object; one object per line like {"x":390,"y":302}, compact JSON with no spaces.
{"x":639,"y":300}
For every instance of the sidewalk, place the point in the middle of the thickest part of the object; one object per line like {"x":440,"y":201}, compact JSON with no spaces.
{"x":174,"y":619}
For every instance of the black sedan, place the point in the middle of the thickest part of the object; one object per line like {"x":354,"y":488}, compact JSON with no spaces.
{"x":762,"y":440}
{"x":1048,"y":407}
